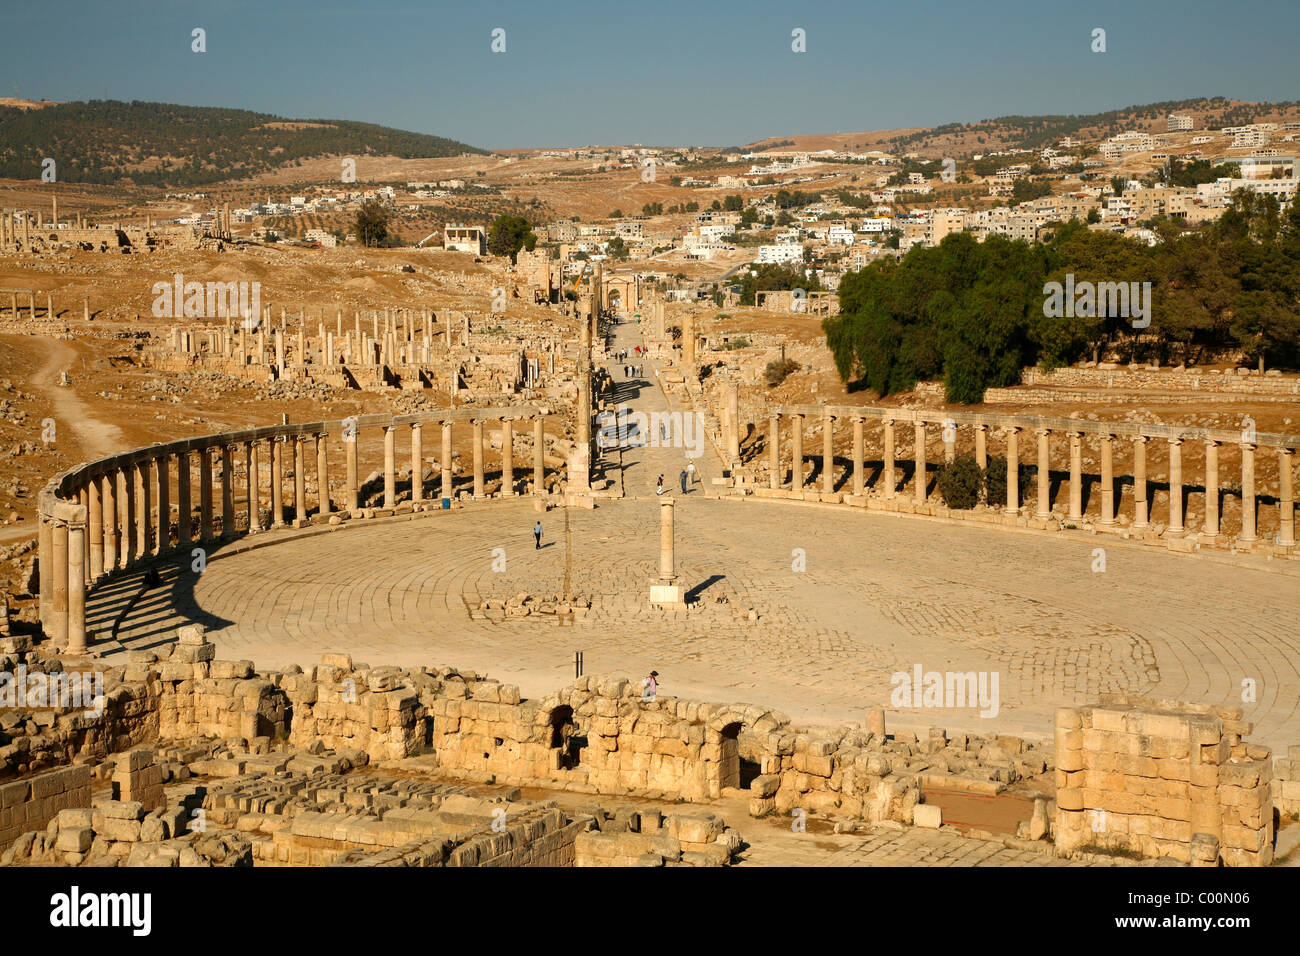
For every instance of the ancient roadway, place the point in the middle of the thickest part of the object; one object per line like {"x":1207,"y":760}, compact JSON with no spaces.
{"x":874,"y":595}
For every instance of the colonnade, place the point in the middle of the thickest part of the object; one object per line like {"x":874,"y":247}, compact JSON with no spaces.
{"x":1008,"y":429}
{"x":116,"y":513}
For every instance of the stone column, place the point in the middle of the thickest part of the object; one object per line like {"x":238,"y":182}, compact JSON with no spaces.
{"x":1211,"y":488}
{"x":143,"y":509}
{"x":859,"y":454}
{"x":45,"y":546}
{"x":205,"y":494}
{"x":96,"y":529}
{"x":390,"y":467}
{"x":733,"y":423}
{"x":277,"y":482}
{"x":83,"y":496}
{"x":76,"y":585}
{"x":164,"y":470}
{"x":539,"y":451}
{"x":1013,"y":470}
{"x":1076,"y":475}
{"x":583,"y":411}
{"x":774,"y":451}
{"x":444,"y":460}
{"x":184,"y":530}
{"x":1247,"y":493}
{"x":1107,"y":481}
{"x":918,"y":456}
{"x":688,"y":341}
{"x":796,"y":466}
{"x":1044,"y":474}
{"x":1285,"y":500}
{"x":351,"y":439}
{"x":889,"y":458}
{"x":478,"y":456}
{"x":982,"y":446}
{"x":126,"y":515}
{"x":417,"y":462}
{"x":109,"y":511}
{"x":59,"y":551}
{"x":299,"y":481}
{"x":251,"y":468}
{"x":1140,"y":516}
{"x":828,"y":454}
{"x":227,"y":492}
{"x":667,"y":555}
{"x":507,"y":457}
{"x":1175,"y":486}
{"x":323,"y":507}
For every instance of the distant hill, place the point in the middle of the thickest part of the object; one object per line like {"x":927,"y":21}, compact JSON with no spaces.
{"x":161,"y":144}
{"x":1031,"y":132}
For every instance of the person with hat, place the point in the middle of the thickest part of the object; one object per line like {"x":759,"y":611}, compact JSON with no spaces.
{"x":650,"y":686}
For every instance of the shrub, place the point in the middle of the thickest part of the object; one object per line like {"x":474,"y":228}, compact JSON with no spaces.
{"x":778,"y":370}
{"x":959,"y":482}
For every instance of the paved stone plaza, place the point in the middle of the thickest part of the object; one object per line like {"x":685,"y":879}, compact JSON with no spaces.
{"x":880,"y":594}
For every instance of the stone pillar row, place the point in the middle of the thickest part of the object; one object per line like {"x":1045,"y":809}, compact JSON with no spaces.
{"x":777,"y":420}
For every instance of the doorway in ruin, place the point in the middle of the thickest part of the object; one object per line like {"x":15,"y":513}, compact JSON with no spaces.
{"x":566,"y":738}
{"x":737,"y":770}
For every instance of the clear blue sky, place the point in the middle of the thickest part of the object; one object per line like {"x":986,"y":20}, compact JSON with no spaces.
{"x":708,"y":72}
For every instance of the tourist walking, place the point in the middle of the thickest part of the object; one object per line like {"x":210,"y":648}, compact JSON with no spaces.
{"x":650,"y":686}
{"x":659,"y":489}
{"x":690,"y":470}
{"x":683,"y":481}
{"x":537,"y":534}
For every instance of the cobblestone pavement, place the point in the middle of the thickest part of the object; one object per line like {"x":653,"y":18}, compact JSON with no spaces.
{"x":879,"y":594}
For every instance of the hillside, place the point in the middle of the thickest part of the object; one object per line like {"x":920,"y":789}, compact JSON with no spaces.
{"x":964,"y":139}
{"x":161,"y":144}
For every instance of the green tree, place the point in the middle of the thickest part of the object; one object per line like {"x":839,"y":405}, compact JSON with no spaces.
{"x":371,"y":223}
{"x":509,"y":234}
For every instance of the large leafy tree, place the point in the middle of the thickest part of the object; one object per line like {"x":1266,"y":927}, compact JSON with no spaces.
{"x":509,"y":234}
{"x":371,"y":223}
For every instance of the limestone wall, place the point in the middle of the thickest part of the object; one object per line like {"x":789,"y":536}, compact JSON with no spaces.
{"x":1163,"y":780}
{"x":32,"y":803}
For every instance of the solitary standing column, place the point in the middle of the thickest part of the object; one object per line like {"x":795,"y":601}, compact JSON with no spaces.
{"x":444,"y":460}
{"x":859,"y":466}
{"x":1013,"y":471}
{"x":96,"y":516}
{"x":183,"y":507}
{"x":665,"y":590}
{"x":390,"y":467}
{"x":828,"y":454}
{"x":322,"y":476}
{"x":205,"y":494}
{"x":774,"y":451}
{"x":918,"y":456}
{"x":796,"y":466}
{"x":1107,"y":481}
{"x":251,"y":467}
{"x":889,"y":458}
{"x":1076,"y":475}
{"x":1285,"y":500}
{"x":77,"y":585}
{"x":60,"y":570}
{"x":1140,"y":483}
{"x":1211,"y":488}
{"x":1247,"y":493}
{"x":109,"y":510}
{"x":508,"y":457}
{"x":143,"y":509}
{"x":1175,"y":486}
{"x":539,"y":450}
{"x":478,"y":454}
{"x":227,"y":492}
{"x":350,"y":441}
{"x":164,"y":469}
{"x":417,"y":462}
{"x":1044,"y":474}
{"x":982,"y":446}
{"x":277,"y":482}
{"x":299,"y":481}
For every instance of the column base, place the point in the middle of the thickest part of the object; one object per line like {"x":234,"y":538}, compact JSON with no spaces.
{"x":669,"y":596}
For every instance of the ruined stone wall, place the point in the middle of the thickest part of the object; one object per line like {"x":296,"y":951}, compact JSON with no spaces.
{"x":1163,"y":780}
{"x":1192,"y":379}
{"x":32,"y":803}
